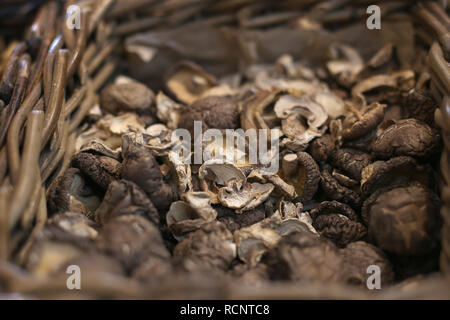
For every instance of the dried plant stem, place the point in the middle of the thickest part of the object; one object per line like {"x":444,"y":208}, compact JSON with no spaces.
{"x":16,"y":98}
{"x":137,"y":25}
{"x":441,"y":31}
{"x":56,"y":153}
{"x":4,"y":234}
{"x":101,"y":56}
{"x":41,"y":218}
{"x":84,"y":108}
{"x":437,"y":10}
{"x":29,"y":214}
{"x":98,"y":13}
{"x":103,"y":75}
{"x":26,"y":181}
{"x":440,"y":65}
{"x":3,"y":163}
{"x":38,"y":65}
{"x":69,"y":36}
{"x":74,"y":100}
{"x":48,"y":67}
{"x":80,"y":46}
{"x":13,"y":140}
{"x":57,"y":97}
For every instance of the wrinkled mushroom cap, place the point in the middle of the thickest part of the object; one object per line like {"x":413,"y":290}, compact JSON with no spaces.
{"x":408,"y":137}
{"x":405,"y":220}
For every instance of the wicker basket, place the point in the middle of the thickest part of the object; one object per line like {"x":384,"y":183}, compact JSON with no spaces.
{"x":76,"y":63}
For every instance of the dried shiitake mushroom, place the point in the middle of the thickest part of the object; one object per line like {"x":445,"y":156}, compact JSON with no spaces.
{"x":75,"y":223}
{"x":71,"y":192}
{"x":303,"y":173}
{"x":213,"y":112}
{"x":404,"y":220}
{"x":301,"y":120}
{"x":337,"y":222}
{"x":395,"y":171}
{"x":96,"y":263}
{"x":420,"y":104}
{"x":255,"y":240}
{"x":347,"y":67}
{"x":301,"y":256}
{"x":125,"y":198}
{"x":209,"y":248}
{"x":243,"y":196}
{"x":52,"y":248}
{"x":321,"y":147}
{"x":101,"y":169}
{"x":132,"y":240}
{"x":97,"y":148}
{"x":187,"y":81}
{"x":235,"y":221}
{"x":350,"y":161}
{"x":154,"y":268}
{"x":408,"y":137}
{"x":335,"y":191}
{"x":249,"y":275}
{"x":130,"y":96}
{"x":190,"y":214}
{"x":141,"y":167}
{"x":359,"y":123}
{"x":358,"y":257}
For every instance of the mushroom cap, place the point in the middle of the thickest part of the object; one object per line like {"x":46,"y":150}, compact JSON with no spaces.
{"x":351,"y":161}
{"x":130,"y":96}
{"x":209,"y":248}
{"x":214,"y":112}
{"x":125,"y":198}
{"x":395,"y":171}
{"x":355,"y":128}
{"x":404,"y":220}
{"x":358,"y":257}
{"x":408,"y":137}
{"x":131,"y":239}
{"x":338,"y":222}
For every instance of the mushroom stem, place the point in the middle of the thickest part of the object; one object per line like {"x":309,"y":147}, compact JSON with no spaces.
{"x":26,"y":180}
{"x":289,"y":165}
{"x":350,"y":107}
